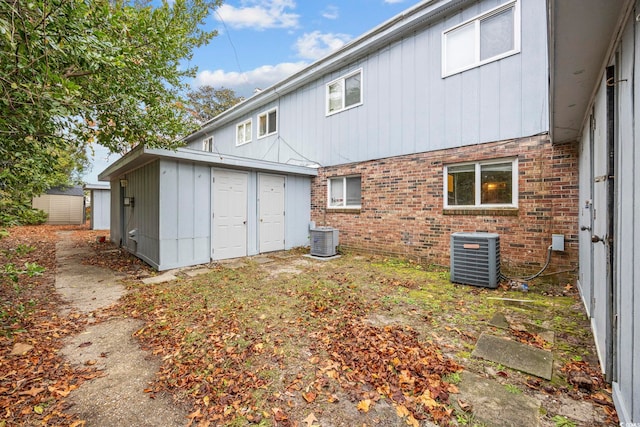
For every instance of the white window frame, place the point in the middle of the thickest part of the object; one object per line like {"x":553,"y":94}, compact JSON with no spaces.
{"x":344,"y":88}
{"x":478,"y":184}
{"x":207,"y":144}
{"x":265,"y":114}
{"x":344,"y":192}
{"x":243,"y":125}
{"x":475,"y":21}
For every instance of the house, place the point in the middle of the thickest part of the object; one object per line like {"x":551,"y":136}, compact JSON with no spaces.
{"x":504,"y":116}
{"x":63,"y":205}
{"x":100,"y":202}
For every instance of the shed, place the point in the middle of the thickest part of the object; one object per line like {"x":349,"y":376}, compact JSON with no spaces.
{"x":100,"y":202}
{"x":63,"y":205}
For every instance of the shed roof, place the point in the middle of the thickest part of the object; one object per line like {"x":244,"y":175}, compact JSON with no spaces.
{"x":581,"y":39}
{"x":76,"y":190}
{"x":142,"y":155}
{"x":97,"y":187}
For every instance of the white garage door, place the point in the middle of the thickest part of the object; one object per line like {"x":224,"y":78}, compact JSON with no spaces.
{"x":229,"y":225}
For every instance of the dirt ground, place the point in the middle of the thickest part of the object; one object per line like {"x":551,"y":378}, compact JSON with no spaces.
{"x":281,"y":340}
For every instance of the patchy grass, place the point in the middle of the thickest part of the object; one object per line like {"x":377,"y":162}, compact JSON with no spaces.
{"x":359,"y":339}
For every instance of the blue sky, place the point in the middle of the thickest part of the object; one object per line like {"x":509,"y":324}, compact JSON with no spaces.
{"x":261,"y":42}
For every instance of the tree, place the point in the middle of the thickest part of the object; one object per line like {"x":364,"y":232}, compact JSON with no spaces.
{"x":206,"y":102}
{"x":75,"y":72}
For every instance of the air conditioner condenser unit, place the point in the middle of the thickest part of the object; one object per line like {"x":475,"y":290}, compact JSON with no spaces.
{"x":475,"y":259}
{"x":324,"y":241}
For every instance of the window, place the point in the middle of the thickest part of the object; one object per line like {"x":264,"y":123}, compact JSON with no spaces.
{"x":485,"y":38}
{"x":482,"y":184}
{"x":344,"y":93}
{"x":267,"y":123}
{"x":243,"y":132}
{"x":207,"y":144}
{"x":344,"y":192}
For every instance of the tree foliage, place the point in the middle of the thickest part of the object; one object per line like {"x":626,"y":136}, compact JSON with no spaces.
{"x":78,"y":72}
{"x":206,"y":102}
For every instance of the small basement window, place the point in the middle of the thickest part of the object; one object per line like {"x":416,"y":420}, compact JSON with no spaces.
{"x":268,"y":123}
{"x":481,"y":184}
{"x":344,"y":192}
{"x":485,"y":38}
{"x":344,"y":93}
{"x":243,"y":132}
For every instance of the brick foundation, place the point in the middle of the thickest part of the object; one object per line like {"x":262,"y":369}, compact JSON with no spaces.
{"x":402,"y":205}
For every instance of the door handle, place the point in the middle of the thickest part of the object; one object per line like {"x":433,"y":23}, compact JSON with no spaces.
{"x":596,"y":239}
{"x":585,"y":228}
{"x":244,"y":222}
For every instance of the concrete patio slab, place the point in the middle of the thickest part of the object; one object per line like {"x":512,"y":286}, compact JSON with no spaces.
{"x":163,"y":278}
{"x":514,"y":355}
{"x":322,"y":258}
{"x":492,"y":404}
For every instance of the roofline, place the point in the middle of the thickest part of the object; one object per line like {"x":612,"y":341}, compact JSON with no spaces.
{"x":141,"y":156}
{"x":420,"y":14}
{"x":97,"y":187}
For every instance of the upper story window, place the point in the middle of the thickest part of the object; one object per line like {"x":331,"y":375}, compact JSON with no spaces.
{"x":485,"y":38}
{"x":344,"y":93}
{"x":481,"y":184}
{"x":243,"y":132}
{"x":344,"y":192}
{"x":268,"y":123}
{"x":207,"y":144}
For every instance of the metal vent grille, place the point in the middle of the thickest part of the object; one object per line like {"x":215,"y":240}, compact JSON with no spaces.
{"x":324,"y":241}
{"x":475,"y":259}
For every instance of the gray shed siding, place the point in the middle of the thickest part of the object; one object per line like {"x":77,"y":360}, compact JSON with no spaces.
{"x":143,"y":186}
{"x":626,"y":386}
{"x":625,"y":305}
{"x":184,"y":211}
{"x":407,"y":106}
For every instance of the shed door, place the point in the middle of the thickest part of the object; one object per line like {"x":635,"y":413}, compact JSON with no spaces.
{"x":229,"y":225}
{"x":271,"y":212}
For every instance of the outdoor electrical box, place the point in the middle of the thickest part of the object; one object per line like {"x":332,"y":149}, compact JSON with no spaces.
{"x":557,"y":242}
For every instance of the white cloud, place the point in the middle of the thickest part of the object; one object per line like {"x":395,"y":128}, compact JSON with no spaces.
{"x":331,"y":12}
{"x":259,"y":14}
{"x":315,"y":45}
{"x":244,"y":83}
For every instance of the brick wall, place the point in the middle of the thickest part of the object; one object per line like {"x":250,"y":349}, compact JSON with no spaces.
{"x":402,"y":205}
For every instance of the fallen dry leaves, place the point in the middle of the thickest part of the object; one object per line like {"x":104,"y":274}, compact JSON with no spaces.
{"x":34,"y":379}
{"x":386,"y":362}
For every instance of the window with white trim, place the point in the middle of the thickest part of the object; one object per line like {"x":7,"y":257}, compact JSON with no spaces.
{"x":207,"y":144}
{"x":344,"y":192}
{"x":243,"y":132}
{"x":481,"y":184}
{"x":485,"y":38}
{"x":344,"y":93}
{"x":268,"y":123}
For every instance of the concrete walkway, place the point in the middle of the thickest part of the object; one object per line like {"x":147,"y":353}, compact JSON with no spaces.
{"x":117,"y":398}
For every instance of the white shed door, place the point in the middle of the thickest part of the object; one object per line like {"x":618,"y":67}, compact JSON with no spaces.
{"x":229,"y":226}
{"x":271,"y":222}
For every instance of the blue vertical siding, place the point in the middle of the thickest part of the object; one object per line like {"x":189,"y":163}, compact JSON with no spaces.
{"x":407,"y":105}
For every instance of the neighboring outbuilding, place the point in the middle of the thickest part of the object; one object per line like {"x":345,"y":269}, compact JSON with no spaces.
{"x":100,"y":202}
{"x":63,"y":205}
